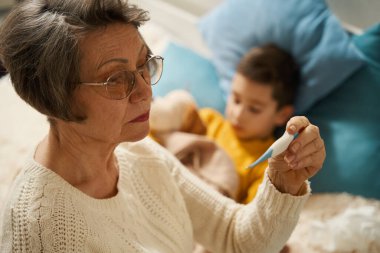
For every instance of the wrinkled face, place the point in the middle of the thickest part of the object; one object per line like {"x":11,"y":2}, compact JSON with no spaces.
{"x":251,"y":109}
{"x":104,"y":52}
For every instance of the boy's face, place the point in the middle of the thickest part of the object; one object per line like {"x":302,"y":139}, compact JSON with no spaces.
{"x":252,"y":110}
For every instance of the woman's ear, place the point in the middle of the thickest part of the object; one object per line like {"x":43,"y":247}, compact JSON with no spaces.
{"x":283,"y":115}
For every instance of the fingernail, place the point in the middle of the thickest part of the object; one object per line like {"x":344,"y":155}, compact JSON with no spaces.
{"x":296,"y":147}
{"x":293,"y":128}
{"x":290,"y":158}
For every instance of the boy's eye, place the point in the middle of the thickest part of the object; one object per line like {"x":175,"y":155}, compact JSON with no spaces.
{"x":254,"y":110}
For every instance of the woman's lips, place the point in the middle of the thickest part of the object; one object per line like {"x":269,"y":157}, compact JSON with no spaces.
{"x":141,"y":118}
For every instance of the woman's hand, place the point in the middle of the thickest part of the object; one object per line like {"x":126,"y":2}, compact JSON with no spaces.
{"x":302,"y":160}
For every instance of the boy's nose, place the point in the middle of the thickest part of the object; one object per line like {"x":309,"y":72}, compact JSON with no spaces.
{"x":238,"y":114}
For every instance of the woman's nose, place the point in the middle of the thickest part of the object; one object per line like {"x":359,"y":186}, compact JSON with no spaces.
{"x":143,"y":89}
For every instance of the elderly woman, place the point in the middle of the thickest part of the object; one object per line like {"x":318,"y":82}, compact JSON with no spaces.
{"x":85,"y":65}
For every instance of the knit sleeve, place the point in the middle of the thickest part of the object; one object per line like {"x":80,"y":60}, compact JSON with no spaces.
{"x":222,"y":225}
{"x":43,"y":220}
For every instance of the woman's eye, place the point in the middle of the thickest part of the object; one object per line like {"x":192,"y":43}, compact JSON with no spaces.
{"x":141,"y":65}
{"x":143,"y":62}
{"x":141,"y":68}
{"x":118,"y":78}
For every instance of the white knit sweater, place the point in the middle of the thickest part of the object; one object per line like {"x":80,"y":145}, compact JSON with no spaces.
{"x":159,"y":207}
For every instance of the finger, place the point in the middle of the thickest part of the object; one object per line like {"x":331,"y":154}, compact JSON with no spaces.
{"x":314,"y":160}
{"x":311,"y":171}
{"x":276,"y":163}
{"x":315,"y":145}
{"x":296,"y":124}
{"x":308,"y":135}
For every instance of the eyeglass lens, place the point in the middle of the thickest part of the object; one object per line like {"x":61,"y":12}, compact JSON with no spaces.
{"x":121,"y":84}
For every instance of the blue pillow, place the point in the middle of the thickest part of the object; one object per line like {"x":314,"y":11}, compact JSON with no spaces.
{"x":349,"y":120}
{"x":185,"y":69}
{"x":305,"y":28}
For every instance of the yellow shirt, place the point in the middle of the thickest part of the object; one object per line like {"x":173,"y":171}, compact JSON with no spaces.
{"x":241,"y":152}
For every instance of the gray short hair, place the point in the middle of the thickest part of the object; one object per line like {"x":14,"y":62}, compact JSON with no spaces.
{"x":39,"y":47}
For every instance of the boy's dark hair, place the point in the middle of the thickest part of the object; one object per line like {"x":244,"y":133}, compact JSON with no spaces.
{"x":272,"y":66}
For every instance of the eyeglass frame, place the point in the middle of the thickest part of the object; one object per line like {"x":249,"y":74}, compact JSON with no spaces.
{"x":133,"y":84}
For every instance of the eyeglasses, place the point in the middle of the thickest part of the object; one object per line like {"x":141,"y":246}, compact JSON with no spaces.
{"x":121,"y":84}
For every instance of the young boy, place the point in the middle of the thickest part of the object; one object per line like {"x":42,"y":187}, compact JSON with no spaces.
{"x":261,"y":99}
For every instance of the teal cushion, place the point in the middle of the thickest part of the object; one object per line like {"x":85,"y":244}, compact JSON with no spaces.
{"x":185,"y":69}
{"x":349,"y":120}
{"x":369,"y":45}
{"x":305,"y":28}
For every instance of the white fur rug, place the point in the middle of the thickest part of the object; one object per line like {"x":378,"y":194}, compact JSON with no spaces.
{"x":337,"y":223}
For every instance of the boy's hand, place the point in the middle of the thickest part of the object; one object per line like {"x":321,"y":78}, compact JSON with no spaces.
{"x":302,"y":160}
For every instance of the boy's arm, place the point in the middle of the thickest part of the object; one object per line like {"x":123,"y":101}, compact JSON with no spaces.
{"x":192,"y":122}
{"x":177,"y":111}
